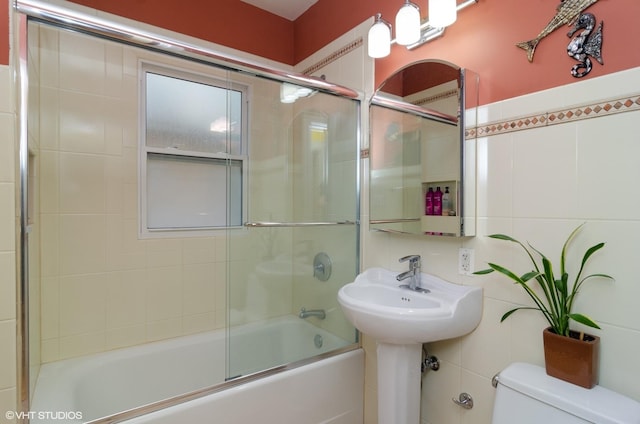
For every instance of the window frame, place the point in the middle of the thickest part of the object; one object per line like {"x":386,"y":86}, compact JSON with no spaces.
{"x":145,"y":151}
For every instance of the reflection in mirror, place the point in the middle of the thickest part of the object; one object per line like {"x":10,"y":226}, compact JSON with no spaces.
{"x":422,"y":178}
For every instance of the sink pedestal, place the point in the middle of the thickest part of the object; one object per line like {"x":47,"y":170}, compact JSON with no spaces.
{"x":399,"y":378}
{"x":400,"y":320}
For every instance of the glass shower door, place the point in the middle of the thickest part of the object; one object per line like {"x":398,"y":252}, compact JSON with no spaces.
{"x":106,"y":282}
{"x":300,"y":242}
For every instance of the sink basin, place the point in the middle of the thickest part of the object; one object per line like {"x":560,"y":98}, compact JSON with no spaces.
{"x":377,"y":306}
{"x":401,"y":320}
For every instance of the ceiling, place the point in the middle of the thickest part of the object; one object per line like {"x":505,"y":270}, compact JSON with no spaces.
{"x":289,"y":9}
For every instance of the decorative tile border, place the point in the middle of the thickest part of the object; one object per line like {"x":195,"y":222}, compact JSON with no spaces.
{"x":576,"y":113}
{"x":334,"y":56}
{"x":439,"y":96}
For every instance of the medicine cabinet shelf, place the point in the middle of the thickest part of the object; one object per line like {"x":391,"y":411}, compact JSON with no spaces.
{"x":448,"y":223}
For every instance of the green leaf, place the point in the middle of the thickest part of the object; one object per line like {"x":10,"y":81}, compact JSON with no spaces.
{"x":563,"y":255}
{"x":505,"y":316}
{"x":529,"y":275}
{"x":546,"y":315}
{"x":585,"y":258}
{"x":548,"y":270}
{"x":557,"y":302}
{"x":506,"y":272}
{"x":565,"y":282}
{"x":503,"y":237}
{"x":583,"y":319}
{"x":484,"y":271}
{"x":605,"y":276}
{"x":593,"y":249}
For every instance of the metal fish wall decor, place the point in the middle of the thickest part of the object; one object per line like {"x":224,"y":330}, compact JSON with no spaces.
{"x":587,"y":43}
{"x":567,"y":13}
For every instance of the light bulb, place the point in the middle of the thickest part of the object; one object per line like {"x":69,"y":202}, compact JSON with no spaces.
{"x":408,"y":24}
{"x":379,"y":38}
{"x":442,"y":13}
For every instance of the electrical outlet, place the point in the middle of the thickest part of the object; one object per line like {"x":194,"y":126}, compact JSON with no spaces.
{"x":465,"y":261}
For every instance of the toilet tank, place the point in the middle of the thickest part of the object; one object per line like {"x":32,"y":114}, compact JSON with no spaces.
{"x":527,"y":395}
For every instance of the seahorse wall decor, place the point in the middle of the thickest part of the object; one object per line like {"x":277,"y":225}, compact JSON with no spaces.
{"x":587,"y":43}
{"x":567,"y":12}
{"x":583,"y":46}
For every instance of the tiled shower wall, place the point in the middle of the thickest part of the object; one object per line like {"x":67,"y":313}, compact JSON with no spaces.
{"x":7,"y":244}
{"x":102,"y":287}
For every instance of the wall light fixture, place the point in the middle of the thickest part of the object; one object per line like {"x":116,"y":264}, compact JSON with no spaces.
{"x":289,"y":93}
{"x":410,"y":31}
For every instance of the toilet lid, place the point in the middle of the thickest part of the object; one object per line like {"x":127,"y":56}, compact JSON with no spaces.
{"x":597,"y":405}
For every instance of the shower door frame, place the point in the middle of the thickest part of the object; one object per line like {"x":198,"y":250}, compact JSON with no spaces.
{"x":61,"y":17}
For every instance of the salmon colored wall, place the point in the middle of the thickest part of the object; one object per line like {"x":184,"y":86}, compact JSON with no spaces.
{"x":483,"y":39}
{"x":4,"y":33}
{"x":327,"y":20}
{"x":231,"y":23}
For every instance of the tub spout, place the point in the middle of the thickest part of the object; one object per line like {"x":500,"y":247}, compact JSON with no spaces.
{"x":319,"y":313}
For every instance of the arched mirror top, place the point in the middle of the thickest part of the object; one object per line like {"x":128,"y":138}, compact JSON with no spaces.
{"x":418,"y":145}
{"x":416,"y":87}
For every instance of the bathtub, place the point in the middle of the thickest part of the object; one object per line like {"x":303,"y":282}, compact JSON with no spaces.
{"x":329,"y":390}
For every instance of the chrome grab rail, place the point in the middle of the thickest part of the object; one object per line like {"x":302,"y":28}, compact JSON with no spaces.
{"x":261,"y":224}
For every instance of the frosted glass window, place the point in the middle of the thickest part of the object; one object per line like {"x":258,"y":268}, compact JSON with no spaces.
{"x":193,"y":116}
{"x":186,"y":192}
{"x":192,"y":153}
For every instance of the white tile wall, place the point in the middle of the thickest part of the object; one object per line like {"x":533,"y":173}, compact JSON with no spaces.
{"x":537,"y":185}
{"x":8,"y":358}
{"x":102,"y":287}
{"x":128,"y":290}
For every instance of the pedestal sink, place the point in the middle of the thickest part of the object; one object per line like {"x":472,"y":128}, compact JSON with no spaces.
{"x":401,"y":320}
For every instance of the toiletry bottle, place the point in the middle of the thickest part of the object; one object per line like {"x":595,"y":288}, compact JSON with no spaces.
{"x":446,"y":203}
{"x":428,"y":202}
{"x":437,"y":202}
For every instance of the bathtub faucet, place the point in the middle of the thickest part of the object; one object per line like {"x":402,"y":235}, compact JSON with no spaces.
{"x":320,"y":313}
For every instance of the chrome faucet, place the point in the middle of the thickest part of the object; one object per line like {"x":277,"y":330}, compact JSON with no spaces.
{"x":415,"y":268}
{"x":319,"y":313}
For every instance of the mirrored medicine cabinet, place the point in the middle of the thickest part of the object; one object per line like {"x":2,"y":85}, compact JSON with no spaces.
{"x":418,"y":118}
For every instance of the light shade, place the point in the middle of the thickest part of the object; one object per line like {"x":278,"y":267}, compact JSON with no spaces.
{"x":288,"y":93}
{"x":442,"y":13}
{"x":408,"y":24}
{"x":379,"y":38}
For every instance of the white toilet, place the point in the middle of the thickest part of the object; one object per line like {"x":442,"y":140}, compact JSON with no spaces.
{"x":527,"y":395}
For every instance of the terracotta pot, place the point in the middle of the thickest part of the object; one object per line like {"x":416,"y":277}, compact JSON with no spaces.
{"x":571,"y":359}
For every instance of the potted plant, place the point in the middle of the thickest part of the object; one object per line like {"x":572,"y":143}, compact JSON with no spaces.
{"x":569,"y":355}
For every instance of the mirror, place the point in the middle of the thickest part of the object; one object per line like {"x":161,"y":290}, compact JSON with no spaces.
{"x":418,"y":149}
